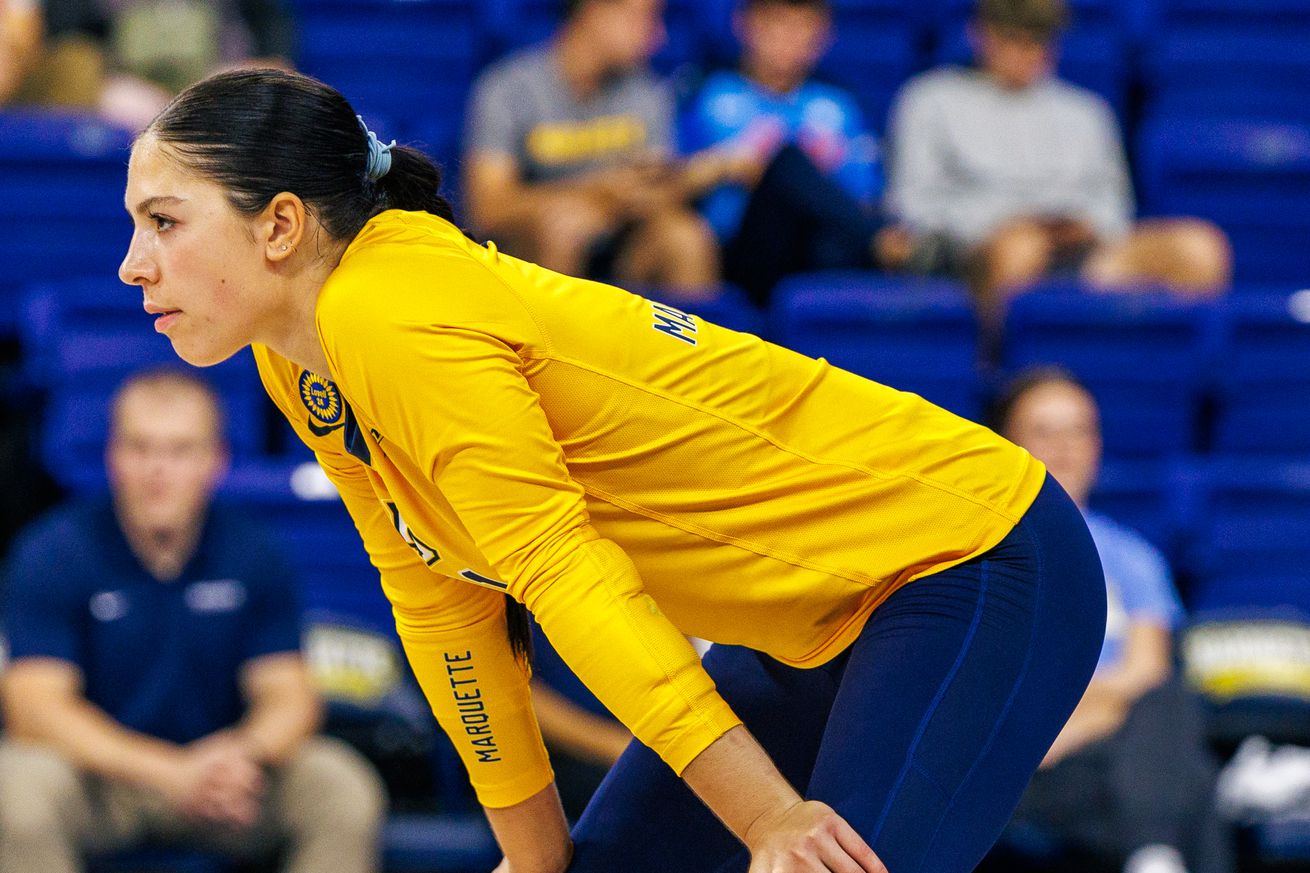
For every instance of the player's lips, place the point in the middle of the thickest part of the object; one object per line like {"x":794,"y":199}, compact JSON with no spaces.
{"x":166,"y":316}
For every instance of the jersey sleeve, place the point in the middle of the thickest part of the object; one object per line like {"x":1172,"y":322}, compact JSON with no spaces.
{"x":453,"y":633}
{"x":457,"y":400}
{"x":455,"y":638}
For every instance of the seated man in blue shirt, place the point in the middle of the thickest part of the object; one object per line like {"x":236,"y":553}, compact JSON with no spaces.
{"x":156,"y":690}
{"x":1129,"y":783}
{"x":812,"y":202}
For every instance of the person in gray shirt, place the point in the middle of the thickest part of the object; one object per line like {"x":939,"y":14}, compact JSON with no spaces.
{"x":569,"y":156}
{"x":1005,"y":173}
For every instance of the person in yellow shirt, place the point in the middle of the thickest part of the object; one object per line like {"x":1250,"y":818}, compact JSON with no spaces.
{"x":905,"y":607}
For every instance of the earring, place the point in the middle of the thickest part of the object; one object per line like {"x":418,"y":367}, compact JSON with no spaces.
{"x":284,"y":248}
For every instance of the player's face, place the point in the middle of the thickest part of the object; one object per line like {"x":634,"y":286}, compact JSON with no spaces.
{"x":1013,"y":58}
{"x":630,"y":30}
{"x":164,"y":456}
{"x":195,"y":257}
{"x":785,"y":42}
{"x":1059,"y":424}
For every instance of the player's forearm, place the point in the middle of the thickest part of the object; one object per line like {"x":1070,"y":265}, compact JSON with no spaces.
{"x":92,"y":741}
{"x":533,"y":835}
{"x":736,"y":779}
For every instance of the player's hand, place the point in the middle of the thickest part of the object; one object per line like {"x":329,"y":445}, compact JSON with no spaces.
{"x":809,"y":837}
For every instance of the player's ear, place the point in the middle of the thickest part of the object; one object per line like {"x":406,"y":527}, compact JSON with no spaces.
{"x":281,"y":226}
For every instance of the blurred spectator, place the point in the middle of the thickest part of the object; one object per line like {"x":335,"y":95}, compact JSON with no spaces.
{"x":1130,"y":781}
{"x":569,"y":156}
{"x":126,"y":58}
{"x":810,"y":202}
{"x":1006,"y":173}
{"x":156,"y":689}
{"x":20,"y":43}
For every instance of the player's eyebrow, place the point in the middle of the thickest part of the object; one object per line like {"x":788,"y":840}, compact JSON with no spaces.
{"x":151,"y":202}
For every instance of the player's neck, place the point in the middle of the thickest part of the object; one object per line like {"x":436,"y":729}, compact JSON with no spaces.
{"x":292,"y":328}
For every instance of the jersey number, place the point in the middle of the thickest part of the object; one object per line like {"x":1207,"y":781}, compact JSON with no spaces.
{"x":426,"y":552}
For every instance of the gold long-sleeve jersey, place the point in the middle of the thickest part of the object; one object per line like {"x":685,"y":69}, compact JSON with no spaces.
{"x":631,"y":473}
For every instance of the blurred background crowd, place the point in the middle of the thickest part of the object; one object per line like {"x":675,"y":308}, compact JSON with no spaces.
{"x":1084,"y":222}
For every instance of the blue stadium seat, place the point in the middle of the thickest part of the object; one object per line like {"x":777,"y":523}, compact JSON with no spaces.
{"x":872,"y":58}
{"x":293,"y":497}
{"x":61,"y":200}
{"x":1144,"y":357}
{"x":1148,"y":496}
{"x":1248,"y":646}
{"x":1250,"y":177}
{"x":1270,"y":16}
{"x":1262,"y":76}
{"x":452,"y":844}
{"x":914,"y":336}
{"x":1252,"y":535}
{"x":1263,"y":377}
{"x":397,"y":59}
{"x":95,"y":334}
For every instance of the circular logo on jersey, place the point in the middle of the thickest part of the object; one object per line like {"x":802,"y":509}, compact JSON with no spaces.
{"x":321,"y":398}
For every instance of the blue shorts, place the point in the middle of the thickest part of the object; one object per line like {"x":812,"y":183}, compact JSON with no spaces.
{"x":922,"y":734}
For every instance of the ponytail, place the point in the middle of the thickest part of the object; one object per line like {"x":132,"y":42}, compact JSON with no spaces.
{"x":519,"y":628}
{"x":413,"y":184}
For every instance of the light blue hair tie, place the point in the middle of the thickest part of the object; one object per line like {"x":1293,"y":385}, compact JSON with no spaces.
{"x":379,"y":154}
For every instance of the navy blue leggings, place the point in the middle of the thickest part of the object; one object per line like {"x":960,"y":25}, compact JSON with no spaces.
{"x":922,"y":735}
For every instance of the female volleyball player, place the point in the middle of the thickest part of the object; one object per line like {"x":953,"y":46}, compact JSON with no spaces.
{"x":909,"y":608}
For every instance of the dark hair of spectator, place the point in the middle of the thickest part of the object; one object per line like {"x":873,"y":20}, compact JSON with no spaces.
{"x":1041,"y":19}
{"x":169,"y":378}
{"x":1003,"y":406}
{"x":572,"y":7}
{"x":258,"y":133}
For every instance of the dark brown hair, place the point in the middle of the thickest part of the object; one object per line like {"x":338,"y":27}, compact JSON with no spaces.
{"x":1026,"y":381}
{"x":258,"y":133}
{"x":1041,"y":19}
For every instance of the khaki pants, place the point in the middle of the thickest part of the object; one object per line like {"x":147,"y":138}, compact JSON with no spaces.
{"x":325,"y":807}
